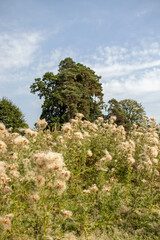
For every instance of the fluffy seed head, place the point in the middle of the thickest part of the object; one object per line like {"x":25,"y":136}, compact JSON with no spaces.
{"x":87,"y":191}
{"x":35,"y":197}
{"x":94,"y":188}
{"x":6,"y":223}
{"x":100,"y":119}
{"x":60,"y":186}
{"x":69,"y":236}
{"x":66,"y":213}
{"x":63,"y":174}
{"x":79,"y":115}
{"x":41,"y":124}
{"x":155,"y":161}
{"x":106,"y":188}
{"x":60,"y":139}
{"x":86,"y":134}
{"x":40,"y":180}
{"x":29,"y":132}
{"x":78,"y":135}
{"x":49,"y":161}
{"x":152,"y":151}
{"x":112,"y":119}
{"x":2,"y":126}
{"x":3,"y":146}
{"x":19,"y":141}
{"x":66,"y":127}
{"x":130,"y":159}
{"x":89,"y":153}
{"x":14,"y":155}
{"x":108,"y":156}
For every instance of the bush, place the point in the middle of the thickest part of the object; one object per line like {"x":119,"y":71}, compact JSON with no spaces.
{"x":11,"y":115}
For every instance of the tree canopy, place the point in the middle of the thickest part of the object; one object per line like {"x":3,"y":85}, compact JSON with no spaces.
{"x":127,"y":112}
{"x":75,"y":88}
{"x":10,"y":115}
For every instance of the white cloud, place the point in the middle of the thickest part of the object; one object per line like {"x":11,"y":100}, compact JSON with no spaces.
{"x":134,"y":85}
{"x":49,"y":62}
{"x":17,"y":50}
{"x":130,"y":72}
{"x":135,"y":70}
{"x":118,"y":69}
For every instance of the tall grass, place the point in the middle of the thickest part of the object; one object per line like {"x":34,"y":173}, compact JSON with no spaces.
{"x":87,"y":181}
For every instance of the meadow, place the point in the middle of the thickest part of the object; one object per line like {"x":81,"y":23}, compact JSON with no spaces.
{"x":87,"y":181}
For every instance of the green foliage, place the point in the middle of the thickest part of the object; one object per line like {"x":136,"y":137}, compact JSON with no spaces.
{"x":127,"y":112}
{"x":11,"y":115}
{"x":74,"y":89}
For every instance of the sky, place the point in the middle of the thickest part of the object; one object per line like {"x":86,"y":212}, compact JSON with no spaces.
{"x":118,"y":39}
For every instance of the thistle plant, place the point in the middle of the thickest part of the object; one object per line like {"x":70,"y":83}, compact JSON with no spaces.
{"x":86,"y":181}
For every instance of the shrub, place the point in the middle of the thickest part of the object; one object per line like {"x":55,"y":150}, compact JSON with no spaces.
{"x":11,"y":115}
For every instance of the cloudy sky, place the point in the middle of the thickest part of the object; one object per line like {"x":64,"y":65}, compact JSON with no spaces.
{"x":119,"y":39}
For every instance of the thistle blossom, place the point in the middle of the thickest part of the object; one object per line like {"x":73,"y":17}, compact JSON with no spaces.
{"x":66,"y":127}
{"x":79,"y":115}
{"x":152,"y":151}
{"x":66,"y":213}
{"x":78,"y":135}
{"x":29,"y":132}
{"x":6,"y":222}
{"x":2,"y":127}
{"x":41,"y":124}
{"x":63,"y":174}
{"x":89,"y":153}
{"x":3,"y":131}
{"x":108,"y":156}
{"x":69,"y":236}
{"x":94,"y":188}
{"x":60,"y":186}
{"x":100,"y":120}
{"x":36,"y":197}
{"x":130,"y":159}
{"x":112,"y":119}
{"x":60,"y":139}
{"x":20,"y":141}
{"x":3,"y":146}
{"x":49,"y":161}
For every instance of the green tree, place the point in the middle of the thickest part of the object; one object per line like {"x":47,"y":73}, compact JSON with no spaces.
{"x":11,"y":116}
{"x":75,"y":88}
{"x":127,"y":112}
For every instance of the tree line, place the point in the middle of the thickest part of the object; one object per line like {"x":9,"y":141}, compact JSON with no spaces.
{"x":75,"y":88}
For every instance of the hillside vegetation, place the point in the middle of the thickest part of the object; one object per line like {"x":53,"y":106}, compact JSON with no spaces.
{"x":87,"y":181}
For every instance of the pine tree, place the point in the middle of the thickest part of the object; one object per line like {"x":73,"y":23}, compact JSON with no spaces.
{"x":76,"y":88}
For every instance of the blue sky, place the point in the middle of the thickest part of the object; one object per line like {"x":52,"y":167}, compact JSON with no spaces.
{"x":119,"y":39}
